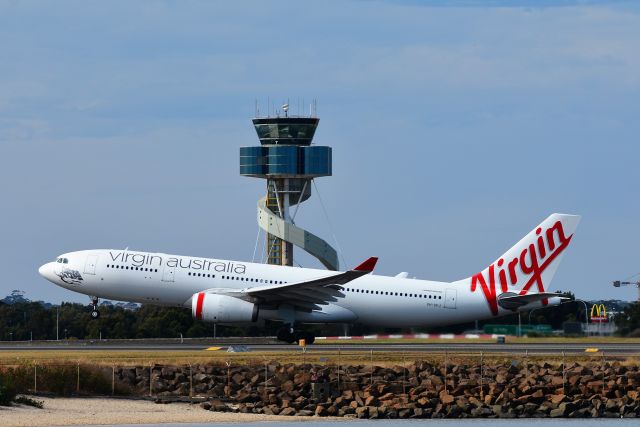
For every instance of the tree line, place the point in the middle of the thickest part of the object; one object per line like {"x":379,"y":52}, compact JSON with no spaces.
{"x":25,"y":321}
{"x":31,"y":320}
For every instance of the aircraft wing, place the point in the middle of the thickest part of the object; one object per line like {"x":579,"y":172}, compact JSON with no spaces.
{"x":512,"y":301}
{"x":310,"y":294}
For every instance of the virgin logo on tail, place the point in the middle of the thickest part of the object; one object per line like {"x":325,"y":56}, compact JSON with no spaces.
{"x":524,"y":270}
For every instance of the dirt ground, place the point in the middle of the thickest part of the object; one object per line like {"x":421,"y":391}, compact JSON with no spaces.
{"x":93,"y":411}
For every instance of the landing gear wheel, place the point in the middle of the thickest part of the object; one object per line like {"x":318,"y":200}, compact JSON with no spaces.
{"x":94,"y":312}
{"x":309,"y":338}
{"x":284,"y":334}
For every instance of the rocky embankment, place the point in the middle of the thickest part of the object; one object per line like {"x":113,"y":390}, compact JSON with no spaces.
{"x":419,"y":390}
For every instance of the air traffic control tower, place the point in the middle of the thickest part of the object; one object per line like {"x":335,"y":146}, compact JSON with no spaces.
{"x":289,"y":162}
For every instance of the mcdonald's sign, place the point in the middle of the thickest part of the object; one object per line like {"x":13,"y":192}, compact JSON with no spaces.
{"x":599,"y":313}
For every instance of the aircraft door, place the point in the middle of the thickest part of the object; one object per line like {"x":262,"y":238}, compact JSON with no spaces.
{"x":90,"y":264}
{"x":168,"y":274}
{"x":450,"y":297}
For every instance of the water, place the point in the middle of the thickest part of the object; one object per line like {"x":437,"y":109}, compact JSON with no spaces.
{"x":477,"y":422}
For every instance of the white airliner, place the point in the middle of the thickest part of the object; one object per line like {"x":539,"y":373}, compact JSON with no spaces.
{"x":238,"y":292}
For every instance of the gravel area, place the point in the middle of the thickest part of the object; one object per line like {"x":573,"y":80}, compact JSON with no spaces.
{"x":94,"y":411}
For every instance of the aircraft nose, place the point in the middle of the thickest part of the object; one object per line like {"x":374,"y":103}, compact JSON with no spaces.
{"x":46,"y":271}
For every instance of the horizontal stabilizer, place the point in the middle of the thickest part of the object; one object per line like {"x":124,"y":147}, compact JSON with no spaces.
{"x":513,"y":301}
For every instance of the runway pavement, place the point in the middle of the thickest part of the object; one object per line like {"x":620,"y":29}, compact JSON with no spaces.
{"x":619,"y":348}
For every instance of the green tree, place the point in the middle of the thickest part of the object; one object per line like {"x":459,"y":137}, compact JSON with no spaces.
{"x":628,"y":321}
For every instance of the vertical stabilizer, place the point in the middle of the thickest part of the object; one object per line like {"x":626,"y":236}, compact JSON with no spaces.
{"x":529,"y":266}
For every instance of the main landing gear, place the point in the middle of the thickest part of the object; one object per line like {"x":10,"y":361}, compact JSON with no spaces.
{"x":289,"y":335}
{"x":94,"y":312}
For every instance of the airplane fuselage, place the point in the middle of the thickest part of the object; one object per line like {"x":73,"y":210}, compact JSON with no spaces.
{"x":171,"y":280}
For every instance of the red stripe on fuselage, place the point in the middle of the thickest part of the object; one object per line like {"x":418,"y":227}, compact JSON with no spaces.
{"x":199,"y":305}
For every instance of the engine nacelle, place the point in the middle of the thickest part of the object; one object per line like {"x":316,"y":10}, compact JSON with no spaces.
{"x":222,"y":308}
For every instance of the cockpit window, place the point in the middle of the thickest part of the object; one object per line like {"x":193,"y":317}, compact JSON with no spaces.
{"x":65,"y":260}
{"x":59,"y":260}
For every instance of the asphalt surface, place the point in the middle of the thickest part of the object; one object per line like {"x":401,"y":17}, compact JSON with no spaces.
{"x":631,"y":349}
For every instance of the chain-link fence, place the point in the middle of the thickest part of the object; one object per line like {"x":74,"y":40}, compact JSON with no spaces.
{"x":239,"y":375}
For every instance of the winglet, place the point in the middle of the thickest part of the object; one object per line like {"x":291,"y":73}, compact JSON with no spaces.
{"x":368,"y":265}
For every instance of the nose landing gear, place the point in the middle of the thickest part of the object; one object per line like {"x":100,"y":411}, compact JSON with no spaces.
{"x":95,"y":313}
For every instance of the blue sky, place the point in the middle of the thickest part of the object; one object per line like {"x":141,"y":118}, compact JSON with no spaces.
{"x":456,"y":128}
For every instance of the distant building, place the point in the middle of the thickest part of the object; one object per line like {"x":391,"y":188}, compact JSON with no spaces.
{"x":602,"y":316}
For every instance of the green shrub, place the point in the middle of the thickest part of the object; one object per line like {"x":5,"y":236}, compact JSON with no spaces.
{"x":7,"y":391}
{"x":62,"y":380}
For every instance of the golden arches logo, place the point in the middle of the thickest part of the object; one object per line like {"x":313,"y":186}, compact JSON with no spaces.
{"x":598,"y":311}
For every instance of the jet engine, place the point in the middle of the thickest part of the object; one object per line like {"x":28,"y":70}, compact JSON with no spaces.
{"x":222,"y":308}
